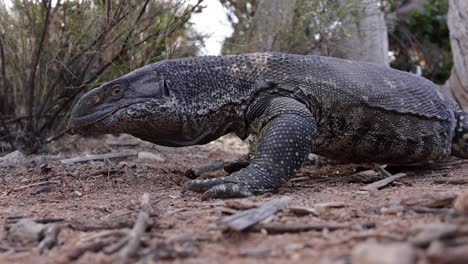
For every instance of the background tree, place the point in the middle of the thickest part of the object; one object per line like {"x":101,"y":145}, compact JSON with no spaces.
{"x":308,"y":27}
{"x":419,"y":37}
{"x":366,"y":37}
{"x":51,"y":53}
{"x":458,"y":24}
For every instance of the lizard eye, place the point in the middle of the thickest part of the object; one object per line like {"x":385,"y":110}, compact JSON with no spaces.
{"x":116,"y":90}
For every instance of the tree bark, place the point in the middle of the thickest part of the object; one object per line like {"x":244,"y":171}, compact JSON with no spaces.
{"x":272,"y":18}
{"x":367,"y":38}
{"x":458,"y":25}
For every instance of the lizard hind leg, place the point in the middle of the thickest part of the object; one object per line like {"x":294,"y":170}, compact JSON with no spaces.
{"x":286,"y":138}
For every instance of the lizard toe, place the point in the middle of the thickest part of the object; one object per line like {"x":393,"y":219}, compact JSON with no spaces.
{"x":227,"y":190}
{"x":201,"y":185}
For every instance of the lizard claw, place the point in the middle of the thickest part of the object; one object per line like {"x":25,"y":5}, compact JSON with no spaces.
{"x":227,"y":190}
{"x":217,"y":188}
{"x":201,"y":185}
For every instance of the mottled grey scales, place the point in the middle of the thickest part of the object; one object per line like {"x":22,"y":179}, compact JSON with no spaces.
{"x":291,"y":105}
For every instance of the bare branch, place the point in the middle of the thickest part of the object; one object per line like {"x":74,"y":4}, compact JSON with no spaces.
{"x":32,"y":78}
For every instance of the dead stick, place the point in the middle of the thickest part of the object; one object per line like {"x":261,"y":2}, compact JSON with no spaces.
{"x":35,"y":184}
{"x":194,"y":173}
{"x":123,"y":154}
{"x":279,"y":228}
{"x":245,"y":219}
{"x":93,"y":247}
{"x":106,"y":233}
{"x":115,"y":247}
{"x":14,"y":249}
{"x":452,"y":181}
{"x":382,"y":170}
{"x":379,"y":184}
{"x":50,"y":239}
{"x":134,"y":237}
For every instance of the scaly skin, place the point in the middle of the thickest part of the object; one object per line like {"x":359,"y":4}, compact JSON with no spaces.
{"x":292,"y":104}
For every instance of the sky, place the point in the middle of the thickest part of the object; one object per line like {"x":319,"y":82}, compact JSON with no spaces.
{"x":213,"y":22}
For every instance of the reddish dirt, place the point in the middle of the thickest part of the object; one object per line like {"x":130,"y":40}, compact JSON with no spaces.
{"x":106,"y":194}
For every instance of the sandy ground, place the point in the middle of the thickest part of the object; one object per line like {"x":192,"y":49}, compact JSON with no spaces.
{"x":88,"y":198}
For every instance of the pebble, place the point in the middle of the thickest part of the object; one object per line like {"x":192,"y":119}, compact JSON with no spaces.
{"x":25,"y":231}
{"x":13,"y":159}
{"x":392,"y":253}
{"x":144,"y":155}
{"x":461,"y":203}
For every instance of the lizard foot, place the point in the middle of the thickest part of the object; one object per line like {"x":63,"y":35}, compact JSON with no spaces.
{"x":217,"y":188}
{"x":238,"y":184}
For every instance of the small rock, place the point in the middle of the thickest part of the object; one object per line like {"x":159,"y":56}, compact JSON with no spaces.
{"x":424,"y":234}
{"x":144,"y":155}
{"x":26,"y":230}
{"x":323,"y":207}
{"x":78,"y":193}
{"x":13,"y":159}
{"x":239,"y":204}
{"x":393,"y":253}
{"x":431,"y":200}
{"x":46,"y":168}
{"x":256,"y":252}
{"x":461,"y":203}
{"x":302,"y":210}
{"x":40,"y":189}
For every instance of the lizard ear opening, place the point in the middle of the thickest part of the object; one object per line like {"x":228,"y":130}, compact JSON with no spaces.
{"x":165,"y":87}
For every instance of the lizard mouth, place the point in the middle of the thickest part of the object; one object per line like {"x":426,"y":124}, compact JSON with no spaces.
{"x":81,"y":122}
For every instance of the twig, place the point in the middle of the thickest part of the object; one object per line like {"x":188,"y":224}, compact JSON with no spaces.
{"x":14,"y":249}
{"x":93,"y":247}
{"x":86,"y":227}
{"x":134,"y":237}
{"x":379,"y":184}
{"x":106,"y":233}
{"x":445,"y":254}
{"x":50,"y":239}
{"x":11,"y":220}
{"x":424,"y":210}
{"x":115,"y":247}
{"x":382,"y":170}
{"x":245,"y":219}
{"x":123,"y":154}
{"x":388,"y":236}
{"x":194,"y":173}
{"x":452,"y":181}
{"x":35,"y":184}
{"x":280,"y":228}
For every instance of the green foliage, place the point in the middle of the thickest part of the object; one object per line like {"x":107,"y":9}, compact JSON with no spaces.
{"x":422,"y":40}
{"x":51,"y":53}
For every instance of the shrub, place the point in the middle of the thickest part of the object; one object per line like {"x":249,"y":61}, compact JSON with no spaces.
{"x":52,"y":51}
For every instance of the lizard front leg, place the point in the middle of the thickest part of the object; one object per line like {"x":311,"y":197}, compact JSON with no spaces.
{"x":287,"y":131}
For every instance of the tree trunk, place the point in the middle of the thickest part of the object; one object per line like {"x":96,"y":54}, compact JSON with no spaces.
{"x":458,"y":25}
{"x":272,"y":18}
{"x":367,"y":38}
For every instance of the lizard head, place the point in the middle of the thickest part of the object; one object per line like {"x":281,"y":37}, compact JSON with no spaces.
{"x":460,"y":141}
{"x":141,"y":103}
